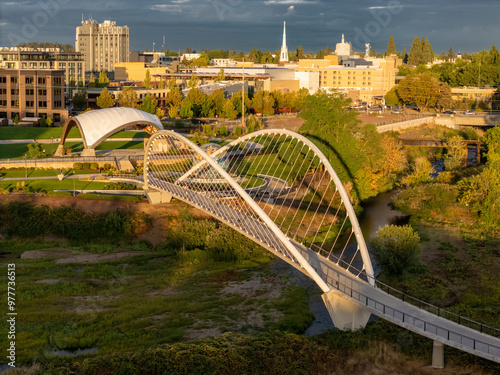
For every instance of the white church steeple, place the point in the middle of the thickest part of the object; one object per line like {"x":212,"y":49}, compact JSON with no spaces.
{"x":284,"y":49}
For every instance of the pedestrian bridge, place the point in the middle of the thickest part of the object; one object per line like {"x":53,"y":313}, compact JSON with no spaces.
{"x":278,"y":189}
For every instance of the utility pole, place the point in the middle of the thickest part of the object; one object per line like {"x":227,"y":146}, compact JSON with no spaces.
{"x":243,"y":94}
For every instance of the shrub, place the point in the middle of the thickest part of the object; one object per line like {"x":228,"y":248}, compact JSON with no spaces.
{"x":107,"y":166}
{"x":94,"y":166}
{"x":77,"y":166}
{"x":396,"y":249}
{"x":85,"y":165}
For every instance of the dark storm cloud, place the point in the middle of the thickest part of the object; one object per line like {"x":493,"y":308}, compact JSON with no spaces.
{"x":246,"y":24}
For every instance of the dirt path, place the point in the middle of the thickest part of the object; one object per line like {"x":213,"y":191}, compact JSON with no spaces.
{"x":160,"y":213}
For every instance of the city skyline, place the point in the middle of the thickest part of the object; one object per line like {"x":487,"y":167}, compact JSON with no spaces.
{"x":313,"y":24}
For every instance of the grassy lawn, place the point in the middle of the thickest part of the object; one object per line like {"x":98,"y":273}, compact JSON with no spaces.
{"x":34,"y":173}
{"x":12,"y":132}
{"x":50,"y":185}
{"x":17,"y":151}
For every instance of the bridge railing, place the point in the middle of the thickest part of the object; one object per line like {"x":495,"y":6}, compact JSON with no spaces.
{"x":411,"y":320}
{"x":441,"y":312}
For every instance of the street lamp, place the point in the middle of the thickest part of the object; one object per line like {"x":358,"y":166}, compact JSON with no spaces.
{"x":25,"y":167}
{"x":52,"y":147}
{"x":74,"y":184}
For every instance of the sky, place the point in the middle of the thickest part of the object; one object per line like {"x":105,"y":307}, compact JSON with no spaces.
{"x":467,"y":26}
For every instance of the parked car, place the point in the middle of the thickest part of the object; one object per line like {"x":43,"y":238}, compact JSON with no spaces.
{"x":469,"y":113}
{"x":448,"y":112}
{"x":396,"y":111}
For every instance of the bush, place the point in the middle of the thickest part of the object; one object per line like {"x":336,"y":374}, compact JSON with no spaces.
{"x":107,"y":166}
{"x":396,"y":249}
{"x":94,"y":166}
{"x":77,"y":166}
{"x":85,"y":165}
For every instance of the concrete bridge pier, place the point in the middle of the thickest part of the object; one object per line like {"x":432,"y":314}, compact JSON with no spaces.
{"x":345,"y":315}
{"x":438,"y":355}
{"x":156,"y":197}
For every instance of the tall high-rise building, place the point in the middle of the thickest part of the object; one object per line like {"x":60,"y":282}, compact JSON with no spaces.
{"x":102,"y":44}
{"x":284,"y":49}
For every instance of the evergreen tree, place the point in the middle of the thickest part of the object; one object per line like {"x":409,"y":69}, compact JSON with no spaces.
{"x":404,"y":56}
{"x":103,"y":80}
{"x":415,"y":55}
{"x":451,"y":54}
{"x":80,"y":100}
{"x":391,"y":48}
{"x":427,"y":52}
{"x":91,"y":81}
{"x":147,"y":80}
{"x":300,"y":53}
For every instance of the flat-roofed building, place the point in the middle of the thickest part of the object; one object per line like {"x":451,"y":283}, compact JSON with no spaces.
{"x":359,"y":79}
{"x":474,"y":95}
{"x":44,"y":58}
{"x":136,"y":71}
{"x":102,"y":44}
{"x":32,"y":93}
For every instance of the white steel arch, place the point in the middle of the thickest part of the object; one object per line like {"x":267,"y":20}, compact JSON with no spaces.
{"x":207,"y":161}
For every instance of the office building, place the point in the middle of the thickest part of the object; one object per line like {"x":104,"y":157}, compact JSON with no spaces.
{"x":44,"y":58}
{"x":102,"y":44}
{"x":32,"y":93}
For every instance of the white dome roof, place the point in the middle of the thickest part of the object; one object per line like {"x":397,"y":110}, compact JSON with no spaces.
{"x":97,"y":125}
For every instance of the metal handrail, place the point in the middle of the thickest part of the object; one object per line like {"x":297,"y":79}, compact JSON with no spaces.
{"x":348,"y":290}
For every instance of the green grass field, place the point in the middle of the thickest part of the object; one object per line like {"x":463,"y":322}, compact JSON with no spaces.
{"x":12,"y":132}
{"x":17,"y":151}
{"x":50,"y":185}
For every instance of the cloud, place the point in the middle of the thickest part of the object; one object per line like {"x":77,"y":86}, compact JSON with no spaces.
{"x":3,"y":24}
{"x":290,"y":9}
{"x":167,"y":8}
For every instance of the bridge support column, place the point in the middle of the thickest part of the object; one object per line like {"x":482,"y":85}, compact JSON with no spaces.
{"x":59,"y":151}
{"x":88,"y":152}
{"x":156,"y":197}
{"x":345,"y":315}
{"x":438,"y":355}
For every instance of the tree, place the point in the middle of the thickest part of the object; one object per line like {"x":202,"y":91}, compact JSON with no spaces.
{"x":220,"y":76}
{"x":427,"y":52}
{"x":128,"y":98}
{"x":422,"y":89}
{"x":396,"y":249}
{"x":49,"y":122}
{"x":456,"y":153}
{"x":148,"y":104}
{"x":92,"y":84}
{"x":35,"y":150}
{"x":80,"y":99}
{"x":103,"y":80}
{"x":160,"y":113}
{"x":391,"y":48}
{"x":171,"y":83}
{"x":395,"y":159}
{"x":415,"y":56}
{"x":228,"y":110}
{"x":392,"y":98}
{"x":193,"y":81}
{"x":404,"y":56}
{"x":218,"y":100}
{"x":16,"y":119}
{"x":186,"y":110}
{"x":223,"y":130}
{"x":451,"y":54}
{"x":147,"y":80}
{"x":105,"y":100}
{"x":421,"y":174}
{"x":300,"y":53}
{"x":263,"y":102}
{"x":173,"y":100}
